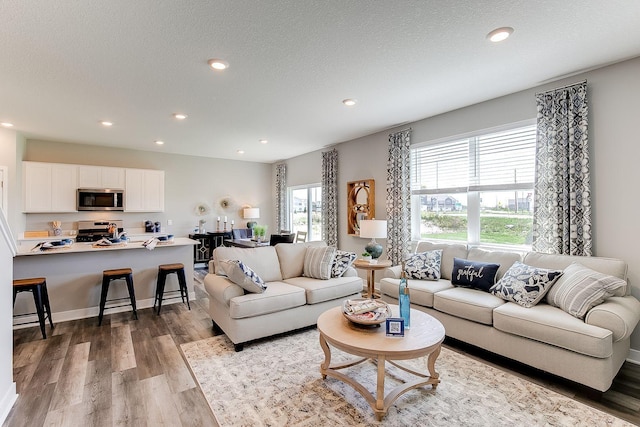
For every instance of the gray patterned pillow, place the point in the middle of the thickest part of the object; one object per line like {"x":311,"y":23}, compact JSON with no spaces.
{"x":243,"y":276}
{"x":342,"y":262}
{"x":424,"y":265}
{"x":580,"y":289}
{"x":524,"y":284}
{"x":318,"y":262}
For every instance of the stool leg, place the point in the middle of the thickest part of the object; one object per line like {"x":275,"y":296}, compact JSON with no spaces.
{"x":132,"y":295}
{"x":103,"y":297}
{"x":183,"y":287}
{"x":156,"y":298}
{"x":15,"y":293}
{"x":162,"y":281}
{"x":37,"y":298}
{"x":45,"y":294}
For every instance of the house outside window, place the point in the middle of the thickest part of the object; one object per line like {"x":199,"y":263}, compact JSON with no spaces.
{"x":305,"y":210}
{"x":476,"y":189}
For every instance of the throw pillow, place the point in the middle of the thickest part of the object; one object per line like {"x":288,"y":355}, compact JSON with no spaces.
{"x":243,"y":276}
{"x":474,"y":274}
{"x":424,"y":266}
{"x":580,"y":289}
{"x":524,"y":284}
{"x":342,"y":262}
{"x":318,"y":262}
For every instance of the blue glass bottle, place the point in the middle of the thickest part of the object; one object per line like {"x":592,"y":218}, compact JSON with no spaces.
{"x":404,"y":300}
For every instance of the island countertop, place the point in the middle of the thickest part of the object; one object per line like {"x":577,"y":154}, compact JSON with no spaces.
{"x":76,"y":247}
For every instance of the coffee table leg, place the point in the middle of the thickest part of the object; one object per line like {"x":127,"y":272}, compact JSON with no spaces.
{"x":431,"y":365}
{"x":327,"y":357}
{"x":380,"y":410}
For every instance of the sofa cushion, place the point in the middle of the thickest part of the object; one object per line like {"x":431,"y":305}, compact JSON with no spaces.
{"x":421,"y":291}
{"x":318,"y":262}
{"x":524,"y":284}
{"x":505,"y":259}
{"x":580,"y":289}
{"x":470,"y":304}
{"x":325,"y":290}
{"x":449,"y":251}
{"x":291,"y":257}
{"x":424,"y":265}
{"x":553,"y":326}
{"x":278,"y":296}
{"x":262,"y":260}
{"x":474,"y":274}
{"x":611,"y":266}
{"x":243,"y":276}
{"x":342,"y":262}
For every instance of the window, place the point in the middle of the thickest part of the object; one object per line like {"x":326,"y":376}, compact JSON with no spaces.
{"x":305,"y":210}
{"x":477,"y":189}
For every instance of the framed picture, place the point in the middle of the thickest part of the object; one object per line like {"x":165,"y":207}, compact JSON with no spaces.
{"x":395,"y":327}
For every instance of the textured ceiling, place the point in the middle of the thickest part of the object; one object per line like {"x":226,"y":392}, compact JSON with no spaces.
{"x":67,"y":64}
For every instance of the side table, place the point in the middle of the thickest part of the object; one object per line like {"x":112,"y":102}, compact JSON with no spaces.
{"x":371,"y":271}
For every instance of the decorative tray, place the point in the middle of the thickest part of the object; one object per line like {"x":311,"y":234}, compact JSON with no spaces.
{"x":366,"y":311}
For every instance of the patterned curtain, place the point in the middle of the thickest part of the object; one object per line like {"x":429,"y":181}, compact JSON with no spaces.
{"x":562,"y":214}
{"x":399,"y":196}
{"x":282,"y":217}
{"x":330,"y":197}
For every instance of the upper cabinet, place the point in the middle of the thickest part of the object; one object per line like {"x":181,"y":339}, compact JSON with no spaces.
{"x":101,"y":177}
{"x":144,"y":190}
{"x":49,"y":187}
{"x":52,"y":187}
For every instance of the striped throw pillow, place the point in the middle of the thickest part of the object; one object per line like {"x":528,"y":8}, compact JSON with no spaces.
{"x":579,"y":289}
{"x":318,"y":262}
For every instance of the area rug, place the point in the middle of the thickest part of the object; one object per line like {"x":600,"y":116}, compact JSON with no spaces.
{"x":277,"y":382}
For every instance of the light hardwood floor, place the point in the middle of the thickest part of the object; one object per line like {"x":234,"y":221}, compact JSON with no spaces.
{"x":132,"y":373}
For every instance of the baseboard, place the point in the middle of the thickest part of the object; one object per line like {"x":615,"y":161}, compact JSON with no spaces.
{"x":634,"y":356}
{"x":7,"y":401}
{"x":85,"y":313}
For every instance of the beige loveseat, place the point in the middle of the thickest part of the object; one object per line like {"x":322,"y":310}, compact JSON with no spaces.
{"x":589,"y":351}
{"x":291,"y":301}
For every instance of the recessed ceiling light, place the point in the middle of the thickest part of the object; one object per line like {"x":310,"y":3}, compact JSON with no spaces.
{"x":500,"y":34}
{"x":349,"y":102}
{"x":180,"y":116}
{"x":106,"y":123}
{"x":6,"y":124}
{"x":159,"y":142}
{"x":263,"y":141}
{"x":240,"y":151}
{"x":218,"y":64}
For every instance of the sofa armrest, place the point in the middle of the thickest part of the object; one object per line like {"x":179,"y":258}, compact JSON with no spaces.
{"x":392,"y":272}
{"x":212,"y":267}
{"x":350,"y":272}
{"x":620,"y":315}
{"x":221,"y":288}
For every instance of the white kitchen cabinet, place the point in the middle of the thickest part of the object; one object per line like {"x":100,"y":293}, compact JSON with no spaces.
{"x":49,"y":187}
{"x":144,"y":190}
{"x":101,"y":177}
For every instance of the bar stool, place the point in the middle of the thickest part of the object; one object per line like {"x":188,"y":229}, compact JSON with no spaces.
{"x":37,"y":286}
{"x":163,"y":271}
{"x":107,"y":277}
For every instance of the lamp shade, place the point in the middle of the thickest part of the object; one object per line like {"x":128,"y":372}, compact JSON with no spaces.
{"x":251,"y":213}
{"x":373,"y":228}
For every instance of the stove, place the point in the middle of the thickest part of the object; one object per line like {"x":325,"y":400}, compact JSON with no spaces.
{"x":92,"y":231}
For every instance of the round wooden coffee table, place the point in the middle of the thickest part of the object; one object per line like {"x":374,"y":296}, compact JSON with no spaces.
{"x":424,"y":338}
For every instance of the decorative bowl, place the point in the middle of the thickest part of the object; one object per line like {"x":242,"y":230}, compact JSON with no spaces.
{"x":365,"y":311}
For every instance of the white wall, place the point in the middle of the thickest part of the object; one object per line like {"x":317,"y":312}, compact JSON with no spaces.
{"x":189,"y":181}
{"x":613,"y":92}
{"x":7,"y":386}
{"x":11,"y":149}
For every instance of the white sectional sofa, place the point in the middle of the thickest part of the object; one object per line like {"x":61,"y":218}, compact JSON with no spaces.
{"x":291,"y":301}
{"x":589,"y":351}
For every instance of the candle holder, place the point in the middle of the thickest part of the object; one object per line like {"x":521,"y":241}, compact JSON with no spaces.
{"x":225,"y":226}
{"x":218,"y":225}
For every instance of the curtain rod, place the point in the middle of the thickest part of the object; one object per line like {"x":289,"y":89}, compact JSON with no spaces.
{"x":561,"y":87}
{"x":403,"y":130}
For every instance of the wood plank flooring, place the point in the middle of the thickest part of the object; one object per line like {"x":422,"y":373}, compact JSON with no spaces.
{"x":132,"y":373}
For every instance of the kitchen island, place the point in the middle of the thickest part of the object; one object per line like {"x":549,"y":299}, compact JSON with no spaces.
{"x":74,"y":274}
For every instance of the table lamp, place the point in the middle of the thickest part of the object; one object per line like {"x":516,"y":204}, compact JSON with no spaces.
{"x":373,"y":228}
{"x":251,"y":213}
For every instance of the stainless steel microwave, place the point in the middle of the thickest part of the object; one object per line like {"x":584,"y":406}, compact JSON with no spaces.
{"x":101,"y":199}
